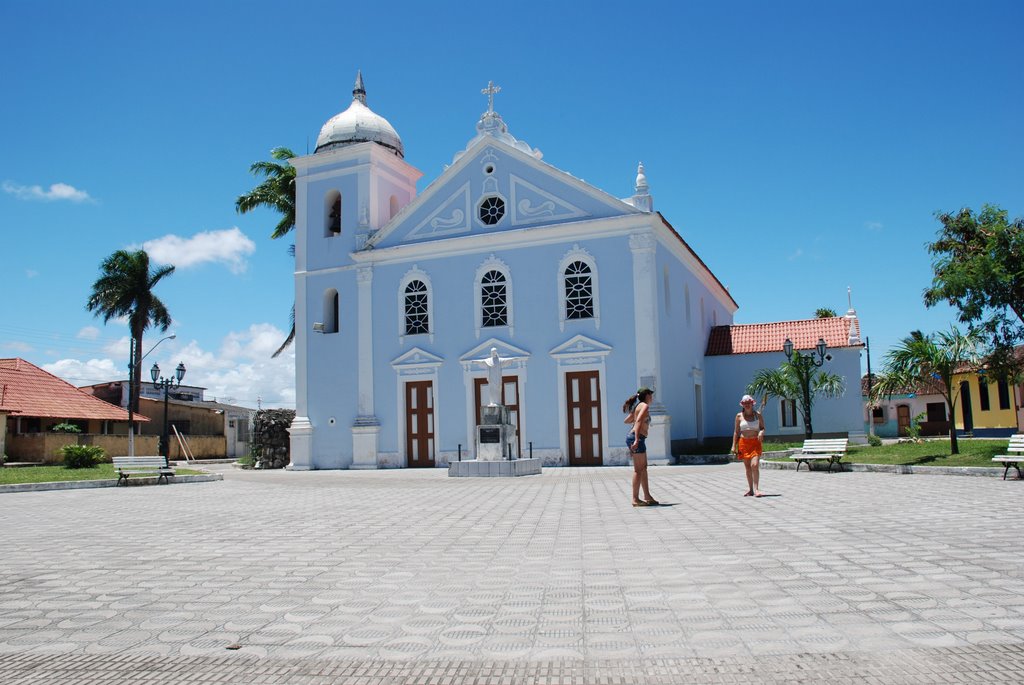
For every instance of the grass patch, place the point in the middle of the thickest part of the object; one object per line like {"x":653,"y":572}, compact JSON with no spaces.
{"x":53,"y":474}
{"x":929,"y":453}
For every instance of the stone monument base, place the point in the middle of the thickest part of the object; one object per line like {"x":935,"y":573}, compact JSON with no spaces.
{"x":493,"y":469}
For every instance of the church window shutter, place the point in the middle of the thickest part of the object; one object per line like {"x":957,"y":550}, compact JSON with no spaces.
{"x":579,"y":291}
{"x":331,"y":311}
{"x":417,"y":308}
{"x":332,"y":218}
{"x":494,"y":299}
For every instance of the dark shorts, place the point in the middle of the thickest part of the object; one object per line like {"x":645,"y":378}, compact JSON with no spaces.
{"x":641,"y":445}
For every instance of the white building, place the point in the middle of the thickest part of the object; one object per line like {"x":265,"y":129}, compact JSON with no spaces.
{"x":398,"y":293}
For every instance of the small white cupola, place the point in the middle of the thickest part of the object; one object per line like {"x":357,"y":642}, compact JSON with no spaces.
{"x":359,"y":124}
{"x":642,"y":198}
{"x":851,"y":316}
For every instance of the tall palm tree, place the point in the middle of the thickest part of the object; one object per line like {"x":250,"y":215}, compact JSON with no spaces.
{"x":277,"y":192}
{"x":800,"y":380}
{"x":125,"y":289}
{"x":933,"y":359}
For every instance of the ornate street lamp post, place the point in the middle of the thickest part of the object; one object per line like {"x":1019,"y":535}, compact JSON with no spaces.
{"x":132,"y":409}
{"x":804,"y":363}
{"x":167,"y":384}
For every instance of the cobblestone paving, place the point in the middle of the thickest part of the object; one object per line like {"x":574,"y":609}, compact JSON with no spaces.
{"x":412,"y":577}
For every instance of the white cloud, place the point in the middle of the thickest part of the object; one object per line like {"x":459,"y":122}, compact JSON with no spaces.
{"x":874,"y":225}
{"x":88,"y":333}
{"x":78,"y":373}
{"x":796,"y":255}
{"x":229,"y":246}
{"x":240,"y":372}
{"x":57,"y":191}
{"x":16,"y":346}
{"x":31,"y":273}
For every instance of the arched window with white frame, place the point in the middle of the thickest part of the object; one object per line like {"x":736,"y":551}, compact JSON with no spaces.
{"x":493,"y":288}
{"x":332,"y":214}
{"x":578,"y":294}
{"x":414,"y":304}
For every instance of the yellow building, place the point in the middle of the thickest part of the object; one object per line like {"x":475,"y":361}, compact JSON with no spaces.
{"x":987,"y":407}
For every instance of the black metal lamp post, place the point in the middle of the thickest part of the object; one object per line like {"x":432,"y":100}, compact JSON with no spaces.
{"x":804,"y":363}
{"x":167,"y":384}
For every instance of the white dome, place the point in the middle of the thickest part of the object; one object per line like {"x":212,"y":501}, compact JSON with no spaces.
{"x":358,"y":124}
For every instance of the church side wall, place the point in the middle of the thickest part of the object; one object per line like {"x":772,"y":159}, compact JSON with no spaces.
{"x":684,"y":334}
{"x":333,"y":370}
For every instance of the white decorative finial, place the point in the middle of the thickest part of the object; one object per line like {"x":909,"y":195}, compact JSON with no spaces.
{"x":849,"y":297}
{"x":359,"y":92}
{"x":490,"y":91}
{"x":641,"y":180}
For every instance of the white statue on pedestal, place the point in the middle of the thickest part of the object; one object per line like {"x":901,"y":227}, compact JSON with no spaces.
{"x":494,"y":365}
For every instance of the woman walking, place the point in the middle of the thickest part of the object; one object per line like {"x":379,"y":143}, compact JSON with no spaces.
{"x":637,"y":409}
{"x":748,"y":443}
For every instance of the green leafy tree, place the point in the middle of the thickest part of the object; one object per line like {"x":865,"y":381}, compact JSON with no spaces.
{"x":125,"y":289}
{"x":800,"y":380}
{"x":824,"y":313}
{"x":276,"y":192}
{"x":931,"y":360}
{"x":978,"y":261}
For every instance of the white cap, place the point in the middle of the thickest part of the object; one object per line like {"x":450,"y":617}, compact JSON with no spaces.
{"x":746,"y":398}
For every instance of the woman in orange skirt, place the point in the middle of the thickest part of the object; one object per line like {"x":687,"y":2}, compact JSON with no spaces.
{"x":748,"y":443}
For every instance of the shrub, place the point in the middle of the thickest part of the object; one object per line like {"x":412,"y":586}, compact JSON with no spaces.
{"x":66,"y":428}
{"x":914,"y":429}
{"x":81,"y":456}
{"x":874,"y":441}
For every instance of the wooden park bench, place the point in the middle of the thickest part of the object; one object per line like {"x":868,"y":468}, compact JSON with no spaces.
{"x":831,"y":450}
{"x":1015,"y":456}
{"x":147,"y":466}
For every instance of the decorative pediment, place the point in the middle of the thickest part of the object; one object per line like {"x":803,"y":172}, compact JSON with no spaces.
{"x":483,"y":350}
{"x":531,"y":205}
{"x":580,"y":346}
{"x":416,"y":358}
{"x":496,"y":187}
{"x":451,"y":218}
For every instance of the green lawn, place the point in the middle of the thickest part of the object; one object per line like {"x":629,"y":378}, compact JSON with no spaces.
{"x":932,"y":452}
{"x":51,"y":474}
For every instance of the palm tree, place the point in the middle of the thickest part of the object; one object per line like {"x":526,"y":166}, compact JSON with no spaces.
{"x":277,"y":192}
{"x":824,"y":313}
{"x":125,"y":289}
{"x":797,"y":379}
{"x":932,"y":359}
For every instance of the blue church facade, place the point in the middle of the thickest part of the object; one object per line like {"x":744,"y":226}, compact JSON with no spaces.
{"x":586,"y":297}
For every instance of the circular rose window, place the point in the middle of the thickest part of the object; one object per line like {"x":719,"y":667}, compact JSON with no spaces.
{"x":491,"y":210}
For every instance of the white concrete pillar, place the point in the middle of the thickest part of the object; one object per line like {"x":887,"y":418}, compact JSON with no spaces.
{"x":648,"y":351}
{"x":366,"y":429}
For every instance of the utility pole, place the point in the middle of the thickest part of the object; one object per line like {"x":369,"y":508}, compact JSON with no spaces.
{"x":871,"y":405}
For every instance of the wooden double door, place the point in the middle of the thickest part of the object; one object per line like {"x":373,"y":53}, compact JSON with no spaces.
{"x":419,"y":424}
{"x":583,"y":407}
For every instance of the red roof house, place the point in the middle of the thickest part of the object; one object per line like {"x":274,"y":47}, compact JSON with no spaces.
{"x":26,"y":391}
{"x":837,"y":332}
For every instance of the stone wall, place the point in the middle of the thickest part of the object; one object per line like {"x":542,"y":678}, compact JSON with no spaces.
{"x":270,"y":438}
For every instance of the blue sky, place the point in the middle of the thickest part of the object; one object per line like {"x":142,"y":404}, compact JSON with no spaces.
{"x":799,"y":147}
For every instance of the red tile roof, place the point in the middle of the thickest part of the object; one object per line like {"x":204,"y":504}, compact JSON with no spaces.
{"x":27,"y":390}
{"x":769,"y":337}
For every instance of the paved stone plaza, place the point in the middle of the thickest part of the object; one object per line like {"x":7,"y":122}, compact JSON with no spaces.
{"x":413,"y":577}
